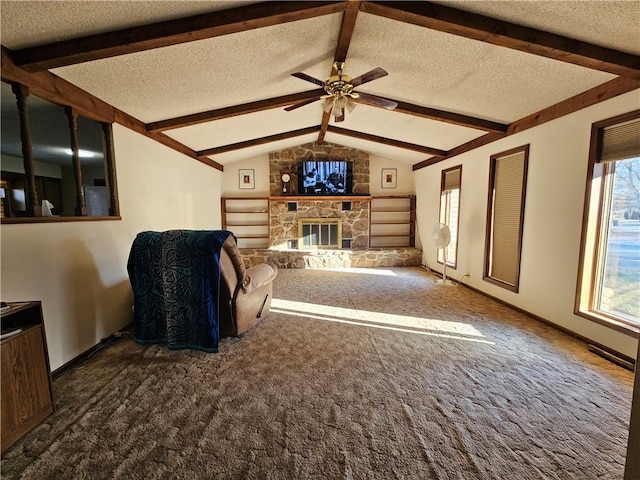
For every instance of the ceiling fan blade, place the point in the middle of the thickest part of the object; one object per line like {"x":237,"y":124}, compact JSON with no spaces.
{"x":301,"y":104}
{"x":308,"y":78}
{"x":367,"y":77}
{"x":374,"y":100}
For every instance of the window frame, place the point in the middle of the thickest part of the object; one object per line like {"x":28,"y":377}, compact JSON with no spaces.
{"x":446,"y":207}
{"x":493,"y":159}
{"x":599,"y":182}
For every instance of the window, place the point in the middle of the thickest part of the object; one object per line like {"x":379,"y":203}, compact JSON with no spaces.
{"x":505,"y":217}
{"x":609,"y":274}
{"x":55,"y":163}
{"x":450,"y":184}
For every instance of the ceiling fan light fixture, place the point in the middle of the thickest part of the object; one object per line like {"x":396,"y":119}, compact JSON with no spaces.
{"x":327,"y":105}
{"x":351,"y":105}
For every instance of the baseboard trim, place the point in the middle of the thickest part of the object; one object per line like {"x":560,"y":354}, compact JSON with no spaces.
{"x":608,"y":352}
{"x":91,"y":351}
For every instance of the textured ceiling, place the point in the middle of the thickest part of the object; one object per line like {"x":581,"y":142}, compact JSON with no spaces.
{"x":427,"y":68}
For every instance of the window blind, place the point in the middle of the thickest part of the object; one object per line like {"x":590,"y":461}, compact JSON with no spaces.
{"x":506,"y":218}
{"x":452,"y":179}
{"x":621,"y":141}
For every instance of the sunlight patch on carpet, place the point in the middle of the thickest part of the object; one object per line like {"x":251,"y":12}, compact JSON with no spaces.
{"x":388,"y":321}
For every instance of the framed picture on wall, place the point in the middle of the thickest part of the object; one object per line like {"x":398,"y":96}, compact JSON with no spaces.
{"x":247,"y":179}
{"x":389,"y":178}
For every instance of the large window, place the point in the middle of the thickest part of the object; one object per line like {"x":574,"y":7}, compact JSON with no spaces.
{"x":505,"y":217}
{"x":450,"y":184}
{"x":609,"y":279}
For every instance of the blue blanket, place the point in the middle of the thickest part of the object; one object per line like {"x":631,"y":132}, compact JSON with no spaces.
{"x":175,"y":276}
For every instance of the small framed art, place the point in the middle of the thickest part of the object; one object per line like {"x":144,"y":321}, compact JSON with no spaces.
{"x":389,"y":178}
{"x":247,"y":179}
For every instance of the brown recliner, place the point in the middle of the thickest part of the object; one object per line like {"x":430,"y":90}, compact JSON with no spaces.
{"x":245,"y":293}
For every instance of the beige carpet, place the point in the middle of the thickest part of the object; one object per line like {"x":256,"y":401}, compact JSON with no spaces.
{"x":397,"y":379}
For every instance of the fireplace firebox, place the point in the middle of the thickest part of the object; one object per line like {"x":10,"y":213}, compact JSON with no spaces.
{"x":320,"y":233}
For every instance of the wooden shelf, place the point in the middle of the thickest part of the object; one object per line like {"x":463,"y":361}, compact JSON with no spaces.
{"x":247,"y":224}
{"x":393,"y":204}
{"x":320,"y":198}
{"x":391,"y":222}
{"x":247,"y":218}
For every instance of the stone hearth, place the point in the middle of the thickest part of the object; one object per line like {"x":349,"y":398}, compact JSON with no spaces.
{"x":367,"y":257}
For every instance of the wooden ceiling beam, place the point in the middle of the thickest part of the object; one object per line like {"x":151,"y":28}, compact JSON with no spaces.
{"x":257,"y":141}
{"x":449,"y":117}
{"x":505,"y":34}
{"x":387,"y":141}
{"x":344,"y":40}
{"x":235,"y":110}
{"x":170,"y":32}
{"x":606,"y":91}
{"x":55,"y":89}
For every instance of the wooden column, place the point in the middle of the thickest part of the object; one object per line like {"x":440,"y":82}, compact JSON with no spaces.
{"x":33,"y":205}
{"x":81,"y":209}
{"x":107,"y":132}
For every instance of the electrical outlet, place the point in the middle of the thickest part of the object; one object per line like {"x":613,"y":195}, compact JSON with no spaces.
{"x":468,"y":274}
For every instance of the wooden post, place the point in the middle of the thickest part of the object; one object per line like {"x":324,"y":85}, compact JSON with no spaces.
{"x":107,"y":132}
{"x":72,"y":116}
{"x":33,"y":205}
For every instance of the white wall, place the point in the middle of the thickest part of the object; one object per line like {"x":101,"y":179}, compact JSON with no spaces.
{"x":231,"y":181}
{"x":78,"y":269}
{"x":553,"y":217}
{"x":405,"y":183}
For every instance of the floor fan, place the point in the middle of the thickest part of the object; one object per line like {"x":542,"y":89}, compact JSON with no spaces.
{"x":441,"y":237}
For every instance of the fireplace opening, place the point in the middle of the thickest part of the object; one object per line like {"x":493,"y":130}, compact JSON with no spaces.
{"x":320,"y":233}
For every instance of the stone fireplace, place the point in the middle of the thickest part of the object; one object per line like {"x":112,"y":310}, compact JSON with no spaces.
{"x":285,"y":216}
{"x":272,"y":228}
{"x":352,"y":213}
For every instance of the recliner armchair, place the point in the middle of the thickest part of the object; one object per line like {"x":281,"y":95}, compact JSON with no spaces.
{"x":245,"y":294}
{"x":191,"y":287}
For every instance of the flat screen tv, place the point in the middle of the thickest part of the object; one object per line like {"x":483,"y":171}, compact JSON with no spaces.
{"x":325,"y":177}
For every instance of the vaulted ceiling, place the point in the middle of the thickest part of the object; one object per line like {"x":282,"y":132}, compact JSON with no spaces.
{"x":212,"y":78}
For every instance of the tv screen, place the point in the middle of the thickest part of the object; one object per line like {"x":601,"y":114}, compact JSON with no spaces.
{"x":325,"y":177}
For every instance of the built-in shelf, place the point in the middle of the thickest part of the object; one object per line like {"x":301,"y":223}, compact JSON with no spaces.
{"x":392,"y":222}
{"x":248,"y":219}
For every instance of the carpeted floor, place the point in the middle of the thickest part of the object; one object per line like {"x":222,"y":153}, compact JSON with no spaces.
{"x":376,"y":375}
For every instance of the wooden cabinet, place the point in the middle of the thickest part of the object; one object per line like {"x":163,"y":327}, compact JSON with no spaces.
{"x":248,"y":219}
{"x":26,"y":398}
{"x":393,"y":221}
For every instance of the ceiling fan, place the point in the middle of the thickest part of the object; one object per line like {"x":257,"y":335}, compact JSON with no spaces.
{"x":341,"y":94}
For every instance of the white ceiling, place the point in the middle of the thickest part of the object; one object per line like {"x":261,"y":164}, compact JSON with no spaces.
{"x":426,"y":67}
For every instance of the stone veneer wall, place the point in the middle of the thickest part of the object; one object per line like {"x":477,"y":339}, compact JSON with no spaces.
{"x":284,"y":224}
{"x":287,"y":160}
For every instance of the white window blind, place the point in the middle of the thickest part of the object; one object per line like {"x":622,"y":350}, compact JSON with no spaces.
{"x":506,"y":218}
{"x":621,"y":141}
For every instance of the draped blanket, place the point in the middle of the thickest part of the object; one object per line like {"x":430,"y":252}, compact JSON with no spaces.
{"x":175,"y":276}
